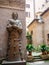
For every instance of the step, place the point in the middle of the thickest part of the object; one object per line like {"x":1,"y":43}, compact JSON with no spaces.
{"x":37,"y":59}
{"x":14,"y":63}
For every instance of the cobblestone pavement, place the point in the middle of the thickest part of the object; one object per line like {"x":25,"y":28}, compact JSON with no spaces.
{"x":38,"y":63}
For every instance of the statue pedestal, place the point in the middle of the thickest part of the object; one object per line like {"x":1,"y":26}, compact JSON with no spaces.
{"x":45,"y":57}
{"x":14,"y":33}
{"x":29,"y":58}
{"x":14,"y":63}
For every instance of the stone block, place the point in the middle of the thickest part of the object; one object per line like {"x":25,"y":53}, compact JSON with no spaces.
{"x":14,"y":63}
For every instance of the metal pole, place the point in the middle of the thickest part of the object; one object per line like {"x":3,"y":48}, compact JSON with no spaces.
{"x":34,"y":7}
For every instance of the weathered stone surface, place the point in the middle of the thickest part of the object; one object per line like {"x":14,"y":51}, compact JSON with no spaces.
{"x":14,"y":63}
{"x":13,"y":3}
{"x":40,"y":30}
{"x":5,"y":15}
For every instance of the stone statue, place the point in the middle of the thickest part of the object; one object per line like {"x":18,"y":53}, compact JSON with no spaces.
{"x":14,"y":29}
{"x":14,"y":21}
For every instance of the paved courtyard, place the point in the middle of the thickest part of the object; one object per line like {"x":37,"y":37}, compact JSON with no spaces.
{"x":38,"y":63}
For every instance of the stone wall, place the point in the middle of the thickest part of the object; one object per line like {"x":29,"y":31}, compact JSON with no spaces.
{"x":13,"y":3}
{"x":5,"y":15}
{"x":40,"y":30}
{"x":46,"y":26}
{"x":37,"y":37}
{"x":37,"y":34}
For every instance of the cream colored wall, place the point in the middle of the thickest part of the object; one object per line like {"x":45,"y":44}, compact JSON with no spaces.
{"x":46,"y":26}
{"x":32,"y":26}
{"x":37,"y":33}
{"x":40,"y":30}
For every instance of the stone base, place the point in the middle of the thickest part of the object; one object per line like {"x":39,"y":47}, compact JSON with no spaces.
{"x":30,"y":58}
{"x":44,"y":57}
{"x":14,"y":63}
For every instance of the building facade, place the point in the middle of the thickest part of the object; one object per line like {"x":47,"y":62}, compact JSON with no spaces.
{"x":40,"y":30}
{"x":29,"y":11}
{"x":33,"y":7}
{"x":7,"y":7}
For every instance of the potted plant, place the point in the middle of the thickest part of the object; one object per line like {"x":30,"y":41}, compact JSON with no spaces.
{"x":44,"y":51}
{"x":29,"y":48}
{"x":47,"y":49}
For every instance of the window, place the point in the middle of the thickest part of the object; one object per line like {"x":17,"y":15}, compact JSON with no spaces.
{"x":27,"y":5}
{"x":31,"y":32}
{"x":42,"y":5}
{"x":48,"y":36}
{"x":47,"y":1}
{"x":27,"y":14}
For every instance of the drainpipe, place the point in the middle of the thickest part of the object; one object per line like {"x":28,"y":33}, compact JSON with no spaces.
{"x":34,"y":8}
{"x":43,"y":33}
{"x":42,"y":22}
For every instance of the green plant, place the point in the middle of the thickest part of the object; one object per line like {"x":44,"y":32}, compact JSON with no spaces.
{"x":29,"y":47}
{"x":43,"y":47}
{"x":48,"y":49}
{"x":29,"y":37}
{"x":37,"y":49}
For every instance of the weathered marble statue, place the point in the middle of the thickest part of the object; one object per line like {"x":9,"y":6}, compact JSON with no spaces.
{"x":15,"y":21}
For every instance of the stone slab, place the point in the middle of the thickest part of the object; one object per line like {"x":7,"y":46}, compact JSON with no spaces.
{"x":14,"y":63}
